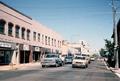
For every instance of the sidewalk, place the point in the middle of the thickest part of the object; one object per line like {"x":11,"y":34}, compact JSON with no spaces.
{"x":114,"y":70}
{"x":27,"y":66}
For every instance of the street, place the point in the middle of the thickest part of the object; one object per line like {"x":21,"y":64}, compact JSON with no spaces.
{"x":96,"y":71}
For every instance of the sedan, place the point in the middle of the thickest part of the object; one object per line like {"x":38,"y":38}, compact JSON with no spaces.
{"x":80,"y":61}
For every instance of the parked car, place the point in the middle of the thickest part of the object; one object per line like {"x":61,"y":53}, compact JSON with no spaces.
{"x":68,"y":59}
{"x":63,"y":58}
{"x":51,"y":60}
{"x":80,"y":61}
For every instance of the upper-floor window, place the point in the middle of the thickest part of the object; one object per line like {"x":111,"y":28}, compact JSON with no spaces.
{"x":58,"y":43}
{"x":55,"y":42}
{"x":10,"y":28}
{"x":48,"y":40}
{"x":42,"y":39}
{"x":34,"y":36}
{"x":28,"y":34}
{"x":45,"y":40}
{"x":23,"y":33}
{"x":2,"y":26}
{"x":17,"y":29}
{"x":38,"y":37}
{"x":52,"y":41}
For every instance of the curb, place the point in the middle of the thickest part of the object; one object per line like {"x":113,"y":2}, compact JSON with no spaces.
{"x":112,"y":70}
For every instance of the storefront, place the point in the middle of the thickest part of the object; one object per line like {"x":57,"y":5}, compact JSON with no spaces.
{"x":6,"y":52}
{"x":36,"y":53}
{"x":24,"y":53}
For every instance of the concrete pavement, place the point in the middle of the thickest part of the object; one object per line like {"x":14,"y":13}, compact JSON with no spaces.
{"x":27,"y":66}
{"x":114,"y":70}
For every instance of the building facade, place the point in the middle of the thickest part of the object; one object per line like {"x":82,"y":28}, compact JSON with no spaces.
{"x":81,"y":46}
{"x":24,"y":40}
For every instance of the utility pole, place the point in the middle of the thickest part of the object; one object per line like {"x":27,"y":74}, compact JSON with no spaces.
{"x":115,"y":34}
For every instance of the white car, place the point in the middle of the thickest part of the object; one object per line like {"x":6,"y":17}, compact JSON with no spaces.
{"x":80,"y":61}
{"x":87,"y":57}
{"x":51,"y":60}
{"x":92,"y":58}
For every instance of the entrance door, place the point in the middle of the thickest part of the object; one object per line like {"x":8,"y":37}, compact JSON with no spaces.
{"x":24,"y":56}
{"x":5,"y":57}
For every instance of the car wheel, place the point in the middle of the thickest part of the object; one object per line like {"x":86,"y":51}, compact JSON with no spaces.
{"x":43,"y":66}
{"x":56,"y":65}
{"x":73,"y":66}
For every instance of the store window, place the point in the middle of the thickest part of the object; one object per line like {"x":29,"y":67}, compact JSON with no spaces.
{"x":10,"y":29}
{"x":17,"y":28}
{"x":2,"y":26}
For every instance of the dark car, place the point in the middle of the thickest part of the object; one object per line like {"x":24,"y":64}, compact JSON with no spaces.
{"x":68,"y":60}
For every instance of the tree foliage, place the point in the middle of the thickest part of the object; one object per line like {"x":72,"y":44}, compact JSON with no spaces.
{"x":109,"y":45}
{"x":102,"y":52}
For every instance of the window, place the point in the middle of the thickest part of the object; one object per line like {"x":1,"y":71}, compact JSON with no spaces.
{"x":2,"y":26}
{"x":17,"y":28}
{"x":38,"y":37}
{"x":28,"y":34}
{"x":23,"y":33}
{"x":42,"y":39}
{"x":58,"y":44}
{"x":10,"y":29}
{"x":49,"y":41}
{"x":55,"y":42}
{"x":52,"y":41}
{"x":34,"y":36}
{"x":45,"y":40}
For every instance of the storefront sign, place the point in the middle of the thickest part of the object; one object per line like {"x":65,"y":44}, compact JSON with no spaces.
{"x":26,"y":47}
{"x":36,"y":49}
{"x":3,"y":44}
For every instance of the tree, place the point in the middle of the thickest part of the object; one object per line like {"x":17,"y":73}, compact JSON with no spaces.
{"x":102,"y":52}
{"x":109,"y":45}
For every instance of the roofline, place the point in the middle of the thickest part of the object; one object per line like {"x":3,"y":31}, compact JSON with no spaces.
{"x":15,"y":10}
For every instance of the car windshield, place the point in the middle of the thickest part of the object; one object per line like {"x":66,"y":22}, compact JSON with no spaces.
{"x":51,"y":56}
{"x":85,"y":55}
{"x":68,"y":57}
{"x":82,"y":58}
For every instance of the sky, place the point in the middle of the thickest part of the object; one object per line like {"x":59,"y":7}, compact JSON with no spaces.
{"x":74,"y":20}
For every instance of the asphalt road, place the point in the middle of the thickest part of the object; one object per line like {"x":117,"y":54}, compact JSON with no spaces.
{"x":96,"y":71}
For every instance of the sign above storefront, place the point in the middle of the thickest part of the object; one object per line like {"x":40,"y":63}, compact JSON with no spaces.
{"x":26,"y":47}
{"x":4,"y":44}
{"x":36,"y":49}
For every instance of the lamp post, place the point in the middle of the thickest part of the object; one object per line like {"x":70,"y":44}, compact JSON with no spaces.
{"x":115,"y":34}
